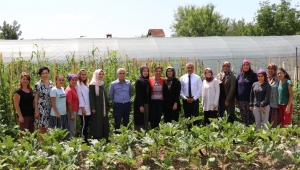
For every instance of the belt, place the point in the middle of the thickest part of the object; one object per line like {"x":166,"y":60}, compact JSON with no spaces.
{"x":189,"y":97}
{"x":122,"y":102}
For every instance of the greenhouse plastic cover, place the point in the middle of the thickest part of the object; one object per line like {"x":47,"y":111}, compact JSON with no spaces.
{"x":206,"y":49}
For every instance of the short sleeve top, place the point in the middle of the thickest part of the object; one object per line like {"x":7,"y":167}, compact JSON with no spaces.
{"x":60,"y":101}
{"x":283,"y":92}
{"x":26,"y":102}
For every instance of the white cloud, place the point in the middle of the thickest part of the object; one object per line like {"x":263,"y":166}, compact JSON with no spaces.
{"x":70,"y":16}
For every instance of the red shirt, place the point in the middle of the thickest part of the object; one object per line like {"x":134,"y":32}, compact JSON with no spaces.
{"x":72,"y":97}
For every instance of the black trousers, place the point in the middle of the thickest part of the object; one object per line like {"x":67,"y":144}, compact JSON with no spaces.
{"x":170,"y":115}
{"x":191,"y":110}
{"x":85,"y":121}
{"x":210,"y":114}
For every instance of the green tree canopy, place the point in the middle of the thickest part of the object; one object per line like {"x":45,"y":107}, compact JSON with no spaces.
{"x":10,"y":32}
{"x":270,"y":19}
{"x":192,"y":21}
{"x":277,"y":19}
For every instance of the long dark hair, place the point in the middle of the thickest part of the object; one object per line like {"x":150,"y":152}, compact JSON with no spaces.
{"x":287,"y":76}
{"x":42,"y":69}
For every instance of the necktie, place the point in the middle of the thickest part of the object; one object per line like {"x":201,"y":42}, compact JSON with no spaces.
{"x":190,"y":91}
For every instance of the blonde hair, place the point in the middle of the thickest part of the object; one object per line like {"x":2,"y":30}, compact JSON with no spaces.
{"x":79,"y":77}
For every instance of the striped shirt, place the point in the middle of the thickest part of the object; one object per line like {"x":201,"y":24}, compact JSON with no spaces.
{"x":157,"y":91}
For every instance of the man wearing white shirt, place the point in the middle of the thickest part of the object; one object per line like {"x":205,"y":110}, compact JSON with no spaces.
{"x":191,"y":87}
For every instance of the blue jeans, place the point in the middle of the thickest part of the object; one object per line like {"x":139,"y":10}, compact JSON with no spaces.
{"x":156,"y":109}
{"x":121,"y":111}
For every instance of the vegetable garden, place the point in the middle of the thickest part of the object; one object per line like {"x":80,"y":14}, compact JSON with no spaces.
{"x":219,"y":145}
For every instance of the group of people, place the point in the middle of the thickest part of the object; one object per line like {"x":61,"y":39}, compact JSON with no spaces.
{"x":265,"y":96}
{"x":261,"y":97}
{"x":51,"y":105}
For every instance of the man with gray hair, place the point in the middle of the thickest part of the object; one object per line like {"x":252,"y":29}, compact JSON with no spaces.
{"x":120,"y":92}
{"x":191,"y":88}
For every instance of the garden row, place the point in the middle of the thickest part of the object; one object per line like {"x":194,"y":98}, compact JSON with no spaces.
{"x":219,"y":145}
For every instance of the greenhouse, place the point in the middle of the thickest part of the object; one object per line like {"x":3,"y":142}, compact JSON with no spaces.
{"x":211,"y":51}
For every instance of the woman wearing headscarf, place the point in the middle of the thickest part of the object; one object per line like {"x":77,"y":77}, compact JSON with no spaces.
{"x":141,"y":100}
{"x":227,"y":81}
{"x":274,"y":117}
{"x":99,"y":124}
{"x":210,"y":95}
{"x":245,"y":81}
{"x":171,"y":93}
{"x":72,"y":104}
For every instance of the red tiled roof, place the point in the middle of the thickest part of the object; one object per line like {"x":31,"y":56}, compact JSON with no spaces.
{"x":156,"y":32}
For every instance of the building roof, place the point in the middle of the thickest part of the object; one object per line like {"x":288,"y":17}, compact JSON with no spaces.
{"x":156,"y":33}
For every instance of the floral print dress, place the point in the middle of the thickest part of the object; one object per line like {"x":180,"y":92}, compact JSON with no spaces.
{"x":44,"y":103}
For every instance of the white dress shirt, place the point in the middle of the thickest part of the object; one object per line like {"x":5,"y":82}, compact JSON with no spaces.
{"x":210,"y":94}
{"x":196,"y":86}
{"x":83,"y":96}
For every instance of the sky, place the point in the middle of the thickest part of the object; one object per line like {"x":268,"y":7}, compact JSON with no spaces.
{"x":61,"y":19}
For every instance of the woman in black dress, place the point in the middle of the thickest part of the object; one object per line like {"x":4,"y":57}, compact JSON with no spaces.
{"x":141,"y":100}
{"x":99,"y":123}
{"x":23,"y":101}
{"x":171,"y":93}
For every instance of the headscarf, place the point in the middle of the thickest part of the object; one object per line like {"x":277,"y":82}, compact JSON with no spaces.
{"x":141,"y":74}
{"x":208,"y":79}
{"x":223,"y":76}
{"x":95,"y":81}
{"x":272,"y":79}
{"x":145,"y":80}
{"x":169,"y":79}
{"x":244,"y":74}
{"x":263,"y":72}
{"x":70,"y":76}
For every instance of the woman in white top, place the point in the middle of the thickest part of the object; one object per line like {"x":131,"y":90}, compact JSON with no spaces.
{"x":84,"y":111}
{"x":210,"y":95}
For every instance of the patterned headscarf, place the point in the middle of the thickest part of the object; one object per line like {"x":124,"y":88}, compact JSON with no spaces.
{"x":145,"y":80}
{"x":272,"y":79}
{"x":208,"y":79}
{"x":223,"y":76}
{"x":95,"y":81}
{"x":263,"y":72}
{"x":141,"y":73}
{"x":169,"y":79}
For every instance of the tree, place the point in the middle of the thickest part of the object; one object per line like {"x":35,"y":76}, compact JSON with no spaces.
{"x":280,"y":19}
{"x":10,"y":32}
{"x":193,"y":21}
{"x":240,"y":28}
